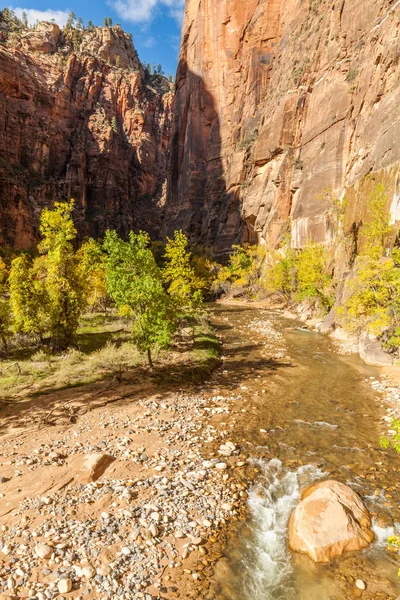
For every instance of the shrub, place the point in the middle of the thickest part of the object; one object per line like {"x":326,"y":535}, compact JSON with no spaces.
{"x":242,"y":275}
{"x":312,"y":275}
{"x":373,"y":294}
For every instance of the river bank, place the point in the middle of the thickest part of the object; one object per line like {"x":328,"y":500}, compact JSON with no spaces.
{"x":148,"y":526}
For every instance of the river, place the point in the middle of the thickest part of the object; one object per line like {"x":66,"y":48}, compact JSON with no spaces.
{"x":305,"y":413}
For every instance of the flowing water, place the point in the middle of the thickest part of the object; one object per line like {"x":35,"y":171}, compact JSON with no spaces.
{"x":305,"y":413}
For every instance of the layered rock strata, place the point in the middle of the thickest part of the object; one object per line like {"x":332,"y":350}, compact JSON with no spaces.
{"x":79,"y":118}
{"x":281,"y":108}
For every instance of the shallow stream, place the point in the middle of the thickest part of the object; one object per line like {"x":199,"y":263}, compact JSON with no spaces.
{"x":310,"y":414}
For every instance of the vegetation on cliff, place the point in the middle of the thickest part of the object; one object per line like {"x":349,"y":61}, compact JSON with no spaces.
{"x":368,"y":298}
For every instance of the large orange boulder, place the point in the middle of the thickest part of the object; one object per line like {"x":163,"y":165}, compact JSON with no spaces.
{"x":331,"y":519}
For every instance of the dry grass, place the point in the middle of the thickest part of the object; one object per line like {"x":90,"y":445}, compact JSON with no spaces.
{"x":103,"y":351}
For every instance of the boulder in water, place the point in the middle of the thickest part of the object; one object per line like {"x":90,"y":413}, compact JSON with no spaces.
{"x":331,"y":519}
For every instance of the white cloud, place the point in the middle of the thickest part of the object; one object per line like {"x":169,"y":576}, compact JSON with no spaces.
{"x":60,"y":16}
{"x":141,"y":11}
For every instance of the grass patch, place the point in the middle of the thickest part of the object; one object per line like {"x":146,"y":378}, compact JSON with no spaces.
{"x":103,"y":351}
{"x":197,"y":361}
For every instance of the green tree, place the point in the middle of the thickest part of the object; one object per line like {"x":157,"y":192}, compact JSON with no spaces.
{"x":280,"y":272}
{"x":373,"y":293}
{"x":70,"y":21}
{"x":76,"y":40}
{"x":114,"y":126}
{"x":92,"y":257}
{"x":377,"y":229}
{"x":184,"y":286}
{"x":25,"y":19}
{"x":5,"y":322}
{"x":242,"y":275}
{"x":110,"y":22}
{"x":64,"y":285}
{"x":118,"y":62}
{"x":313,"y":276}
{"x":79,"y":23}
{"x":134,"y":281}
{"x":105,"y":22}
{"x":90,"y":25}
{"x":28,"y":298}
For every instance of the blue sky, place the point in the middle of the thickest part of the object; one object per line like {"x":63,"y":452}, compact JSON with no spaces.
{"x":154,"y":24}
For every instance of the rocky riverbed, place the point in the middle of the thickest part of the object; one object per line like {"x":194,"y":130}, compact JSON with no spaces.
{"x":142,"y":524}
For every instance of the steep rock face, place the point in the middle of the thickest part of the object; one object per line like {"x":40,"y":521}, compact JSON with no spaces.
{"x":80,"y":119}
{"x":280,"y":106}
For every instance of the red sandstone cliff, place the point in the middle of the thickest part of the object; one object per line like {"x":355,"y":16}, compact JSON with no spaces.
{"x":281,"y":104}
{"x":83,"y":123}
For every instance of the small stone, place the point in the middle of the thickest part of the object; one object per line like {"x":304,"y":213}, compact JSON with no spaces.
{"x":360,"y":584}
{"x":64,"y":585}
{"x":196,"y":541}
{"x":179,"y":534}
{"x":221,"y":466}
{"x":153,"y":530}
{"x":88,"y":571}
{"x":43,"y":550}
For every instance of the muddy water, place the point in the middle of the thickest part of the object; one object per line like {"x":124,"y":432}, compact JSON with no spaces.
{"x":309,"y":414}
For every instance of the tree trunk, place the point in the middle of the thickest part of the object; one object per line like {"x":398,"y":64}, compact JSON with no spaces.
{"x":149,"y":358}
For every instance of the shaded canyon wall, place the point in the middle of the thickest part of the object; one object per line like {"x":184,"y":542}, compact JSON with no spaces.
{"x":280,"y":106}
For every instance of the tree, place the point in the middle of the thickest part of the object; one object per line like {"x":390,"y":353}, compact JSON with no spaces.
{"x":70,"y":21}
{"x":114,"y":126}
{"x":79,"y":23}
{"x":118,"y":61}
{"x":312,"y":275}
{"x":110,"y":22}
{"x":28,"y":298}
{"x":377,"y":229}
{"x":105,"y":22}
{"x":90,"y":25}
{"x":25,"y":19}
{"x":76,"y":40}
{"x":91,"y":259}
{"x":64,"y":285}
{"x":5,"y":322}
{"x":184,"y":287}
{"x":134,"y":281}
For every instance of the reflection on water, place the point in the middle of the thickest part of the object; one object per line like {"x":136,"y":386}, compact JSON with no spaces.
{"x":309,"y":409}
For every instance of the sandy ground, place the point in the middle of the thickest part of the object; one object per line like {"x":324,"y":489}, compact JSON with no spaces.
{"x":148,"y":524}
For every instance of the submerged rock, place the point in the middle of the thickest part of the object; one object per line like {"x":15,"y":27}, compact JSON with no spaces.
{"x":331,"y":519}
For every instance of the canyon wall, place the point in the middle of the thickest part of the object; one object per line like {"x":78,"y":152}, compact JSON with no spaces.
{"x":79,"y":118}
{"x":282,"y":108}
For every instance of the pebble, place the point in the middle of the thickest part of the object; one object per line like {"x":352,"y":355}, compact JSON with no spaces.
{"x":88,"y":571}
{"x":43,"y":550}
{"x":64,"y":585}
{"x":360,"y":584}
{"x":141,"y":518}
